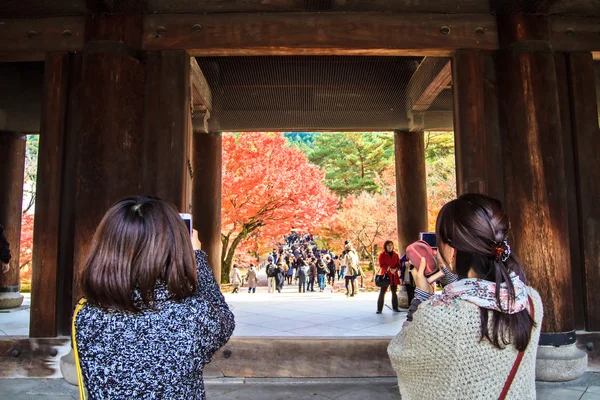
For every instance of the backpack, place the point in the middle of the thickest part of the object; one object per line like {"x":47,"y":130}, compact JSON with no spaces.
{"x":271,"y":270}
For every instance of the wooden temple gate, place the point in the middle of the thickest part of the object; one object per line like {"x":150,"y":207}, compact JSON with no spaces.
{"x":122,"y":94}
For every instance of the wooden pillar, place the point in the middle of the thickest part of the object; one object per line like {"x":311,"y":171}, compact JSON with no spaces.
{"x":561,"y":61}
{"x":51,"y":289}
{"x":534,"y":177}
{"x":586,"y":135}
{"x":167,"y":127}
{"x":476,"y":126}
{"x":411,"y":186}
{"x":206,"y":196}
{"x":12,"y":168}
{"x":110,"y":159}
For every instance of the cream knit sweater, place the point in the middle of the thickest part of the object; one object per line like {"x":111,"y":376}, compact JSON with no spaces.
{"x":439,"y":355}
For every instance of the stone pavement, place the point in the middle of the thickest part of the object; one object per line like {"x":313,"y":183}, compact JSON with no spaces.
{"x":300,"y":389}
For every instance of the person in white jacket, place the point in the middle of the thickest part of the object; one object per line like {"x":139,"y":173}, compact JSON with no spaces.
{"x":464,"y":343}
{"x":235,"y":278}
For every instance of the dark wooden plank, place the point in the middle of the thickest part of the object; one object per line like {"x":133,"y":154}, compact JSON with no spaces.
{"x":115,"y":28}
{"x":534,"y":176}
{"x":46,"y":238}
{"x":433,"y":75}
{"x":318,"y":33}
{"x":206,"y":196}
{"x":433,"y":120}
{"x":167,"y":125}
{"x":571,"y":189}
{"x":411,"y":186}
{"x":30,"y":39}
{"x":586,"y":134}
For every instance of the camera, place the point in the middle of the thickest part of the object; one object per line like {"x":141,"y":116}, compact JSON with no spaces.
{"x":421,"y":249}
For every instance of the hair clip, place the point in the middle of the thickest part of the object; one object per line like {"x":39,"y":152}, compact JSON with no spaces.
{"x":502,"y":252}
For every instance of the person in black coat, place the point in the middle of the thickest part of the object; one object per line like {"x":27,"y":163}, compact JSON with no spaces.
{"x":4,"y":252}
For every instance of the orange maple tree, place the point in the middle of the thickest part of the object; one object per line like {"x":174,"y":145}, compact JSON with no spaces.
{"x":26,"y":247}
{"x":268,"y":187}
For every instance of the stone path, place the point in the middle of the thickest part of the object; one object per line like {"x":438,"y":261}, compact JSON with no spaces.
{"x":298,"y":389}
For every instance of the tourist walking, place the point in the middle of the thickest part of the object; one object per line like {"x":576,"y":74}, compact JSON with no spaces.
{"x":252,"y":279}
{"x":321,"y":273}
{"x":280,"y":277}
{"x":389,"y":266}
{"x":290,"y":274}
{"x":406,"y":278}
{"x":152,"y":315}
{"x":487,"y":322}
{"x":271,"y":271}
{"x":302,"y":274}
{"x":235,"y":279}
{"x":352,"y":264}
{"x":312,"y":275}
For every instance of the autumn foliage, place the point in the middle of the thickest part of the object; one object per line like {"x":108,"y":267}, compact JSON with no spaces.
{"x":26,"y":247}
{"x":268,"y":188}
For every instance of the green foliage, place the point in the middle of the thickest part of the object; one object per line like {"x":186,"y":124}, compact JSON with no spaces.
{"x":31,"y":162}
{"x":304,"y":141}
{"x":353,"y":161}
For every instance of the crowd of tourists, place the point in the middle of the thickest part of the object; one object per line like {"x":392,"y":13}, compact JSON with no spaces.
{"x":152,"y":314}
{"x":302,"y":263}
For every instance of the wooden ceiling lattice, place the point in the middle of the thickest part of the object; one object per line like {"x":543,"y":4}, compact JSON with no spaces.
{"x":313,"y":92}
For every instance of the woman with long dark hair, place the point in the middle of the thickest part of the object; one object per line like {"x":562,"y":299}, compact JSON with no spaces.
{"x":389,"y":265}
{"x":477,"y":339}
{"x":152,"y":315}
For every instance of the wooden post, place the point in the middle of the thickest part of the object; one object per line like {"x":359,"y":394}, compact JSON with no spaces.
{"x":534,"y":177}
{"x":12,"y":168}
{"x":411,"y":186}
{"x":167,"y":127}
{"x":46,"y":238}
{"x":561,"y":61}
{"x":206,"y":196}
{"x":586,"y":135}
{"x":110,"y":159}
{"x":476,"y":128}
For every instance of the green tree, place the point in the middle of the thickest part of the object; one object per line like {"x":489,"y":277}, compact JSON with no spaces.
{"x":30,"y":178}
{"x":353,"y":161}
{"x":441,"y":176}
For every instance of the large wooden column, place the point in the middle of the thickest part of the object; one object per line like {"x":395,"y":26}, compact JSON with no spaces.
{"x":411,"y":186}
{"x":12,"y":168}
{"x":476,"y":126}
{"x":110,"y":160}
{"x":533,"y":161}
{"x":586,"y":135}
{"x":206,"y":196}
{"x":51,"y":306}
{"x":562,"y":76}
{"x":167,"y":127}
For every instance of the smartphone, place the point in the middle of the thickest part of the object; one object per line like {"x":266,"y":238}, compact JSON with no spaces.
{"x":429,"y":238}
{"x":187,"y":218}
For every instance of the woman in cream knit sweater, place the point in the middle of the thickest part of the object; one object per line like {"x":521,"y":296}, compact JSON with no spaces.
{"x":463,"y":343}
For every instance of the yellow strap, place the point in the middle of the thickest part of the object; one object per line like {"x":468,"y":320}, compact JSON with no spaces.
{"x":76,"y":353}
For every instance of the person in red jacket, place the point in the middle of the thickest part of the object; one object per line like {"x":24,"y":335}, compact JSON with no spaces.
{"x":389,"y":263}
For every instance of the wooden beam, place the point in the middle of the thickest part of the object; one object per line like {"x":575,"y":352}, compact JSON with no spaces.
{"x":575,"y":34}
{"x":201,"y":93}
{"x":332,"y":33}
{"x":433,"y":75}
{"x":30,"y":39}
{"x":432,"y":121}
{"x":283,"y":33}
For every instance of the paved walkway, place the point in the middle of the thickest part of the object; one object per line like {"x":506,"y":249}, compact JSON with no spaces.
{"x":285,"y":314}
{"x":297,"y":389}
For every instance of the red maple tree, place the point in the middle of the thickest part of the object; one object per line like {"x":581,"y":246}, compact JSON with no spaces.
{"x":26,"y":248}
{"x":268,"y":188}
